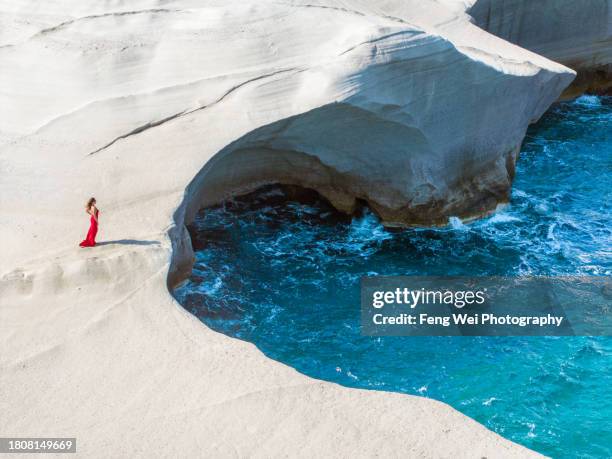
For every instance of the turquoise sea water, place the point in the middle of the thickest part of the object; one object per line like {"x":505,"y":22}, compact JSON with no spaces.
{"x":284,"y":274}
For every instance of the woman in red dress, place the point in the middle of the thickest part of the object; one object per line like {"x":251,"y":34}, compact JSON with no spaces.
{"x":92,"y":210}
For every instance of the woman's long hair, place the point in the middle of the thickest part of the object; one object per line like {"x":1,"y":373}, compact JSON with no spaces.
{"x":90,"y":202}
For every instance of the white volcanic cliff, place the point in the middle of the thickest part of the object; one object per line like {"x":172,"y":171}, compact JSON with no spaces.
{"x":159,"y":107}
{"x":576,"y":34}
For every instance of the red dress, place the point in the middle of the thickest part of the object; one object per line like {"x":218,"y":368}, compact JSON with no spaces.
{"x":90,"y":240}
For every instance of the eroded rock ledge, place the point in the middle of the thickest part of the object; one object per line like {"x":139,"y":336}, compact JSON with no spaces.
{"x":415,"y":156}
{"x":422,"y":122}
{"x":390,"y":167}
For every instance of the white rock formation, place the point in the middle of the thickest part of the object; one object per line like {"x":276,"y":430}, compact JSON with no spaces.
{"x":407,"y":105}
{"x":577,"y":34}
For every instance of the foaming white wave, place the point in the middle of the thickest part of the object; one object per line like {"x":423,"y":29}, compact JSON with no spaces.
{"x":531,"y":433}
{"x":364,"y":232}
{"x":588,"y":101}
{"x":211,"y":287}
{"x":519,"y":193}
{"x":550,"y":234}
{"x":502,"y":218}
{"x":367,"y":226}
{"x":542,"y":208}
{"x":489,"y":401}
{"x":457,"y":224}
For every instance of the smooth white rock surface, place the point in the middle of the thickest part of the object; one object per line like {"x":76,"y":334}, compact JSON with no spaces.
{"x":156,"y":107}
{"x":575,"y":33}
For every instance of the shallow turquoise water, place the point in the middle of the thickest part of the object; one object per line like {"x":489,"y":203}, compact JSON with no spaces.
{"x":285,"y":275}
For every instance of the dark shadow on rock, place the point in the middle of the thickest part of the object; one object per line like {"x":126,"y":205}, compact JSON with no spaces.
{"x":128,"y":242}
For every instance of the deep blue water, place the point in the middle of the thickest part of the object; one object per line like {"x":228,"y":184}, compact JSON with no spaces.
{"x":284,"y":274}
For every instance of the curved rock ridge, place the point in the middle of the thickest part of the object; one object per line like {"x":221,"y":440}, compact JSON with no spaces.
{"x":576,"y":34}
{"x":157,"y":108}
